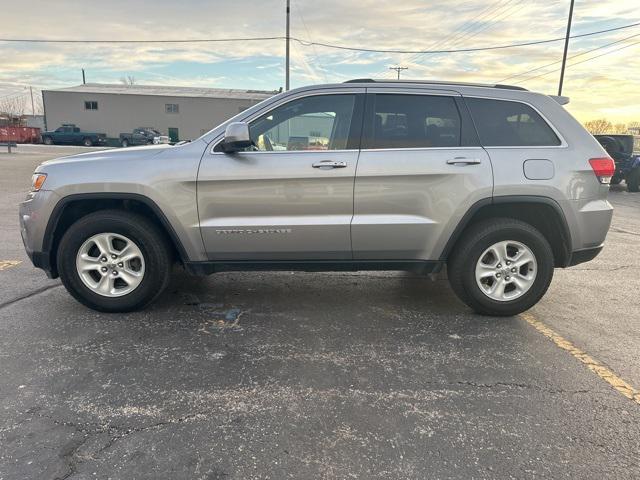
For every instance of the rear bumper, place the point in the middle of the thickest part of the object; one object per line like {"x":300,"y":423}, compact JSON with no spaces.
{"x":585,"y":255}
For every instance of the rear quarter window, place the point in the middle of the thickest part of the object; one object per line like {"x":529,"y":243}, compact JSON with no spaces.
{"x":504,"y":123}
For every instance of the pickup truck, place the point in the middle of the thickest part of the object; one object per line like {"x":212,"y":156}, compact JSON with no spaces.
{"x":142,"y":136}
{"x":69,"y":134}
{"x":621,"y":148}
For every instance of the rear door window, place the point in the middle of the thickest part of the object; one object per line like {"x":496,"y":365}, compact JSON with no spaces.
{"x":414,"y":121}
{"x":503,"y":123}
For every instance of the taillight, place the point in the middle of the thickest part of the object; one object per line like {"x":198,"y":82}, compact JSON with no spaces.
{"x":604,"y":168}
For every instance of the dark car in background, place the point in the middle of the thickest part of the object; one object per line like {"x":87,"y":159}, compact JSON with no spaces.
{"x":620,"y":148}
{"x":70,"y":134}
{"x":142,"y":136}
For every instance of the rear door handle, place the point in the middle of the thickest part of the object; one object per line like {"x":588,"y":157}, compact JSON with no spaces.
{"x":463,"y":161}
{"x":327,"y":164}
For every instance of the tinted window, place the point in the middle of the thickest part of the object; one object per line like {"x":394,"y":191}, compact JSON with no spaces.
{"x":320,"y":122}
{"x":415,"y":121}
{"x":502,"y":123}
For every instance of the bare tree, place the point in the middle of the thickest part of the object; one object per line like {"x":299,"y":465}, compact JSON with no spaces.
{"x":599,"y":126}
{"x":15,"y":105}
{"x":620,"y":128}
{"x":128,"y":80}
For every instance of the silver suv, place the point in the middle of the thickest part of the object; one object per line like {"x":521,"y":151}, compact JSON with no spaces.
{"x":499,"y":184}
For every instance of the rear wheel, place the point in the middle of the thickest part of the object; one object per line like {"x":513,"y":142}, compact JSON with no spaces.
{"x":124,"y":143}
{"x":501,"y":267}
{"x":114,"y":261}
{"x":633,"y":180}
{"x":87,"y":142}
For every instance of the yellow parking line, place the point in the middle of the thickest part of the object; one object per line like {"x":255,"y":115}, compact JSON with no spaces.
{"x":592,"y":364}
{"x":4,"y":264}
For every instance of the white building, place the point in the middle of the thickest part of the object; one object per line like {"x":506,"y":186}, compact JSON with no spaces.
{"x":180,"y":112}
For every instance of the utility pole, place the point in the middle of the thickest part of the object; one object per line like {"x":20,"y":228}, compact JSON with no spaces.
{"x":398,"y":69}
{"x":566,"y":48}
{"x":287,"y":40}
{"x":33,"y":108}
{"x":83,"y":79}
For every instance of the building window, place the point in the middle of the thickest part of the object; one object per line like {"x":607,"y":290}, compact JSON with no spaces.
{"x":171,"y":108}
{"x":91,"y":105}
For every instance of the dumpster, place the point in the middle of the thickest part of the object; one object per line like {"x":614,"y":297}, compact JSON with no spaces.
{"x":19,"y":134}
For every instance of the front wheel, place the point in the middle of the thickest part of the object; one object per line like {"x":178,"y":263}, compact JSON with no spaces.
{"x":87,"y":142}
{"x":501,"y":267}
{"x":47,"y":141}
{"x":633,"y":180}
{"x":114,"y":261}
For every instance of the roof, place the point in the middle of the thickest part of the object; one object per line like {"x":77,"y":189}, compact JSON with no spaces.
{"x":437,"y":82}
{"x":167,"y":91}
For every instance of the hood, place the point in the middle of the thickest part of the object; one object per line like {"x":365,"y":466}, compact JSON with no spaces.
{"x":116,"y":154}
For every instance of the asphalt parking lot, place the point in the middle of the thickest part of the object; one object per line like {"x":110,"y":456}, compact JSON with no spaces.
{"x":306,"y":375}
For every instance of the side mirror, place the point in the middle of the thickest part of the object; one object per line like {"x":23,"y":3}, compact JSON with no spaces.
{"x":236,"y":137}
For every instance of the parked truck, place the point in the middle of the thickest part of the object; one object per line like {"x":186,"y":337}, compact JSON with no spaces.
{"x":70,"y":134}
{"x":621,"y":149}
{"x":142,"y":136}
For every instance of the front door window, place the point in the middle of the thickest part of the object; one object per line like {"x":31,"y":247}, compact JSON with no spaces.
{"x":320,"y":122}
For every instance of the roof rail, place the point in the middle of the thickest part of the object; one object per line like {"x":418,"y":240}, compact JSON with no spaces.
{"x":437,"y":82}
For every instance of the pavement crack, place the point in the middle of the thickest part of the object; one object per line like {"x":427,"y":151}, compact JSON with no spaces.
{"x":626,"y":232}
{"x":29,"y":295}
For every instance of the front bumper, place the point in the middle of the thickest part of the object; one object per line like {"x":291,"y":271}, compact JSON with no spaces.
{"x":34,"y":214}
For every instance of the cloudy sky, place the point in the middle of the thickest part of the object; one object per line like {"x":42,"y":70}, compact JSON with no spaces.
{"x":607,"y":86}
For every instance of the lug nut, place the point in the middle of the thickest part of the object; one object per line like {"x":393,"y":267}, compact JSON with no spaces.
{"x":122,"y":265}
{"x":104,"y":269}
{"x":513,"y":269}
{"x":115,"y":272}
{"x":113,"y":255}
{"x":103,"y":259}
{"x":507,"y":277}
{"x":498,"y":275}
{"x":508,"y":262}
{"x":499,"y":265}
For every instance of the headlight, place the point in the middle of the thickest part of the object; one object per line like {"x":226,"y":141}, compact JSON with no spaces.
{"x":37,"y":180}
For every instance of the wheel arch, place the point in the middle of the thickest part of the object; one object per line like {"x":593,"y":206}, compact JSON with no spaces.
{"x":543,"y":213}
{"x":73,"y":207}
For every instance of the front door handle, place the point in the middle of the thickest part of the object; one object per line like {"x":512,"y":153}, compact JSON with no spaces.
{"x":327,"y":164}
{"x":463,"y":161}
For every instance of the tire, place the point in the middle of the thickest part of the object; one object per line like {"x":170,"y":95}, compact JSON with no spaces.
{"x":633,"y":180}
{"x":615,"y":180}
{"x":473,"y":248}
{"x":87,"y":142}
{"x":144,"y":235}
{"x":124,"y":143}
{"x":47,"y":141}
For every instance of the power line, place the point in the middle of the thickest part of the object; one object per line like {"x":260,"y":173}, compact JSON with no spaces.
{"x":321,"y":44}
{"x":193,"y":40}
{"x":578,"y":63}
{"x":475,"y":49}
{"x":456,"y":33}
{"x":494,"y":17}
{"x":571,"y":57}
{"x":304,"y":24}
